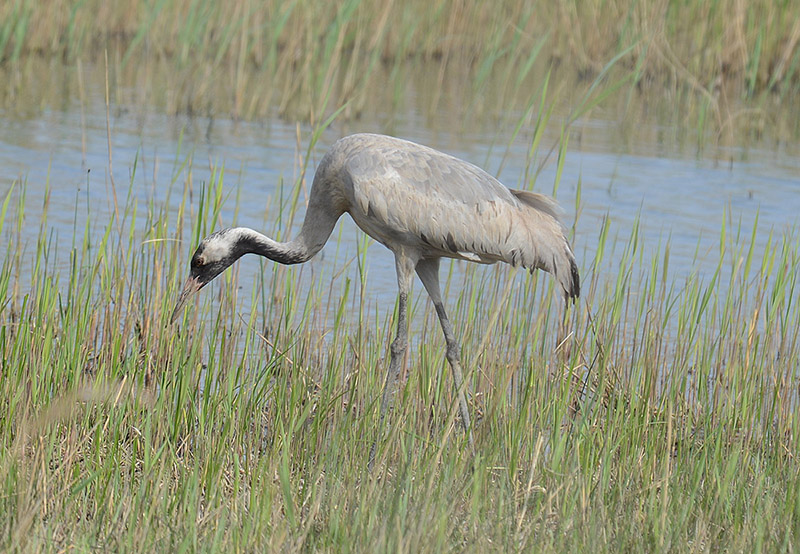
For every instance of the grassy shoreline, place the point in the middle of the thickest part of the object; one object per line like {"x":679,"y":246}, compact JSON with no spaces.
{"x":723,"y":65}
{"x":663,"y":414}
{"x":667,"y":419}
{"x":754,"y":42}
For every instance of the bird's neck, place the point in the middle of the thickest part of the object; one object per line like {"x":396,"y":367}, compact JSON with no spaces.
{"x":315,"y":232}
{"x":249,"y":241}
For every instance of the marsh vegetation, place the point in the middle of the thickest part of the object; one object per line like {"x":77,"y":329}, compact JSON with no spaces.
{"x":659,"y":413}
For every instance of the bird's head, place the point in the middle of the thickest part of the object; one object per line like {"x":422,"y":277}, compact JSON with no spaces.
{"x":214,"y":255}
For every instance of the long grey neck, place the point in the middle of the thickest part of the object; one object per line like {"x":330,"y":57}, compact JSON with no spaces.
{"x":316,"y":230}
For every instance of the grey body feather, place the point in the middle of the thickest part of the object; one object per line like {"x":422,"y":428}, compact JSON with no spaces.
{"x":428,"y":204}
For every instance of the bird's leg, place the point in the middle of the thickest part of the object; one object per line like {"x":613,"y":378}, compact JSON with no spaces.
{"x":454,"y":357}
{"x":398,"y":349}
{"x":428,"y":271}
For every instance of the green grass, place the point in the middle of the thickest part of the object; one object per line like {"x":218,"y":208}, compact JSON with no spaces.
{"x":662,"y":414}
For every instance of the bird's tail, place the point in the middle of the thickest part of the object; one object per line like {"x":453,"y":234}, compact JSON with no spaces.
{"x":553,"y":243}
{"x":572,"y":285}
{"x":540,"y":203}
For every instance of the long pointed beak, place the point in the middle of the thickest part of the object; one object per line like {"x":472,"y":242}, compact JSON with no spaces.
{"x":191,"y":286}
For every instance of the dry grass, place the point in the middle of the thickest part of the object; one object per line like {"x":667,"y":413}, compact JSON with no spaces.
{"x":247,"y":59}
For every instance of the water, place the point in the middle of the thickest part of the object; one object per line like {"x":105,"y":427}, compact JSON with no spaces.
{"x":677,"y":197}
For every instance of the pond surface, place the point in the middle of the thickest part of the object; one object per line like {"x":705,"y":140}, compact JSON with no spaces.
{"x":676,"y":197}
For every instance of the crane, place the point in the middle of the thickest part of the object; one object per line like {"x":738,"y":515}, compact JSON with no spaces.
{"x":423,"y":205}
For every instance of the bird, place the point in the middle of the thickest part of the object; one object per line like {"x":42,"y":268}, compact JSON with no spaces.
{"x":423,"y":205}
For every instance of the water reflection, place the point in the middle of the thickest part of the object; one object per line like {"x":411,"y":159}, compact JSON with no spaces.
{"x":683,"y":199}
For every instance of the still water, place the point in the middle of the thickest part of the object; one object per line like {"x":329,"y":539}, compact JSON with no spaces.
{"x":679,"y":197}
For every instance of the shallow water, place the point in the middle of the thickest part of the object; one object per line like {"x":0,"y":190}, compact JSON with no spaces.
{"x":679,"y":198}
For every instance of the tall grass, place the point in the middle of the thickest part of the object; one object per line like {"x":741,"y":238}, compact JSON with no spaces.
{"x":756,"y":42}
{"x":656,"y":414}
{"x":249,"y":59}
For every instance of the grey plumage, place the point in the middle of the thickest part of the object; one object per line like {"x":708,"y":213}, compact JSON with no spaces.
{"x":423,"y":205}
{"x":413,"y":197}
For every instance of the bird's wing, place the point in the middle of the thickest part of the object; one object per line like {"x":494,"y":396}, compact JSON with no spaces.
{"x":456,"y":209}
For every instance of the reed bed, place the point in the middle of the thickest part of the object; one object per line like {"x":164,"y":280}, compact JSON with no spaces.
{"x":723,"y":66}
{"x":656,"y":414}
{"x":755,"y":42}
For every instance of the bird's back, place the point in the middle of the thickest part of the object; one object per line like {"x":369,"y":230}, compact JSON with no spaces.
{"x":418,"y":199}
